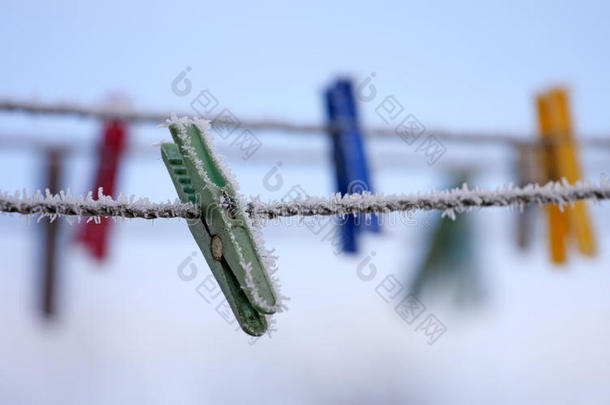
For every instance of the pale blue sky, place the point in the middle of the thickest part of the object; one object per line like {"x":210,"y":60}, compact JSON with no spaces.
{"x":454,"y":64}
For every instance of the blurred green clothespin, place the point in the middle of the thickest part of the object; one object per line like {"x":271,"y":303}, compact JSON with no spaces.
{"x":450,"y":261}
{"x":223,"y":232}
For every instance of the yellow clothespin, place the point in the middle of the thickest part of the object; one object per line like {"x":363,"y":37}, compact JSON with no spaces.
{"x":559,"y":158}
{"x":569,"y":168}
{"x":558,"y":221}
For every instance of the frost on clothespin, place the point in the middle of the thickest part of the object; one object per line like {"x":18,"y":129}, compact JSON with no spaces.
{"x":229,"y":239}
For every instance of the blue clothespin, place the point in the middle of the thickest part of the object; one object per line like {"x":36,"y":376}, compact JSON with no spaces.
{"x":349,"y":157}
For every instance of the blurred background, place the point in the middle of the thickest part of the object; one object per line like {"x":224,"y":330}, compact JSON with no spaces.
{"x":490,"y":316}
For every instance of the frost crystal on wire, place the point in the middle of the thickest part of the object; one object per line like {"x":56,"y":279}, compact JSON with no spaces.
{"x":449,"y":201}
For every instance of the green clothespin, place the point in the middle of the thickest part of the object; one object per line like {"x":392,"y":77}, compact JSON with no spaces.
{"x":223,"y":232}
{"x":451,"y":264}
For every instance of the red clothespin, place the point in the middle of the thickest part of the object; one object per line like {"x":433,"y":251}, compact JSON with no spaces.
{"x":114,"y":139}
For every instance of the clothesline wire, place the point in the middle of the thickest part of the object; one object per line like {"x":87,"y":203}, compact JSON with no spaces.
{"x":386,"y":158}
{"x":73,"y":109}
{"x":449,"y":201}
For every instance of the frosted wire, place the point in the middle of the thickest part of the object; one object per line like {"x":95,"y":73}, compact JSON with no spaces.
{"x":449,"y":201}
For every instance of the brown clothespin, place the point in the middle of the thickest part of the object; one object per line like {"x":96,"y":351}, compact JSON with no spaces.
{"x":527,"y":173}
{"x":51,"y":231}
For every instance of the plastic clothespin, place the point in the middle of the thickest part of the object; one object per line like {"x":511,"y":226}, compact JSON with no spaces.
{"x":352,"y":173}
{"x":527,"y":173}
{"x":569,"y":168}
{"x":223,"y":232}
{"x":450,"y":264}
{"x":114,"y":139}
{"x":51,"y":242}
{"x":560,"y":161}
{"x":558,"y":220}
